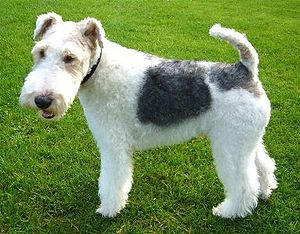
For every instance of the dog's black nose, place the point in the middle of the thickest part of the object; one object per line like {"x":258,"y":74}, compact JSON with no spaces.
{"x":43,"y":102}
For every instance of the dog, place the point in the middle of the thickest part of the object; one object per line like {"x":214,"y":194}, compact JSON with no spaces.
{"x":135,"y":101}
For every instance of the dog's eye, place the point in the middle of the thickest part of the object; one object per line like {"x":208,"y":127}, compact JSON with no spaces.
{"x":68,"y":58}
{"x":42,"y":53}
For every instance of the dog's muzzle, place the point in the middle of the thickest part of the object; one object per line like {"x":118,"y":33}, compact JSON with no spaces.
{"x":43,"y":102}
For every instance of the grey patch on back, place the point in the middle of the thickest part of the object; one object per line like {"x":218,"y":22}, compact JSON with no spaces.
{"x":173,"y":92}
{"x":233,"y":76}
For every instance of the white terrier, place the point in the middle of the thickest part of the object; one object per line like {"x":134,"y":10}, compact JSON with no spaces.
{"x":135,"y":101}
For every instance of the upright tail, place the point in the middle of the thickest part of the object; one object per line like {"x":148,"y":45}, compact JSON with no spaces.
{"x":248,"y":55}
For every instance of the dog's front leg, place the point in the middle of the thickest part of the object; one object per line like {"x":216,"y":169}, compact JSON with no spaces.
{"x":115,"y":179}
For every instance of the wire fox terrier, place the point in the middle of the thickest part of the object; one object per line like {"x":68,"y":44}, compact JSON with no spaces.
{"x":135,"y":101}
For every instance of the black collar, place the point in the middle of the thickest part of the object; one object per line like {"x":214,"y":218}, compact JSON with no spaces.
{"x":93,"y":69}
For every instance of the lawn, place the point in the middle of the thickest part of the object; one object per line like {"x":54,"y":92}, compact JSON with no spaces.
{"x":49,"y":171}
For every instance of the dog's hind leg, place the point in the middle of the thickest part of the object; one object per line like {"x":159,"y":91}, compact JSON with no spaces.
{"x":234,"y":153}
{"x":266,"y":168}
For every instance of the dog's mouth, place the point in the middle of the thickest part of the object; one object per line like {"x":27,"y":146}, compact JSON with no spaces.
{"x":47,"y":114}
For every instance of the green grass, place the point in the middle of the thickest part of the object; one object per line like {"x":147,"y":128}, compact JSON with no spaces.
{"x":48,"y":171}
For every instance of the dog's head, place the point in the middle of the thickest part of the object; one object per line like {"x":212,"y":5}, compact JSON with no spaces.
{"x":63,"y":54}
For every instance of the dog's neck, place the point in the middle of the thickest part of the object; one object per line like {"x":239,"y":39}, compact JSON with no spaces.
{"x":92,"y":69}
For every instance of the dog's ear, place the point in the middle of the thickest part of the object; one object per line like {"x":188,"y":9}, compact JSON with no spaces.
{"x":92,"y":30}
{"x":44,"y":22}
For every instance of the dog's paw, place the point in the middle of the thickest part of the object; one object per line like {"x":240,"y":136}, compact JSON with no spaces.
{"x":267,"y":188}
{"x":221,"y":211}
{"x":227,"y":211}
{"x":107,"y":211}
